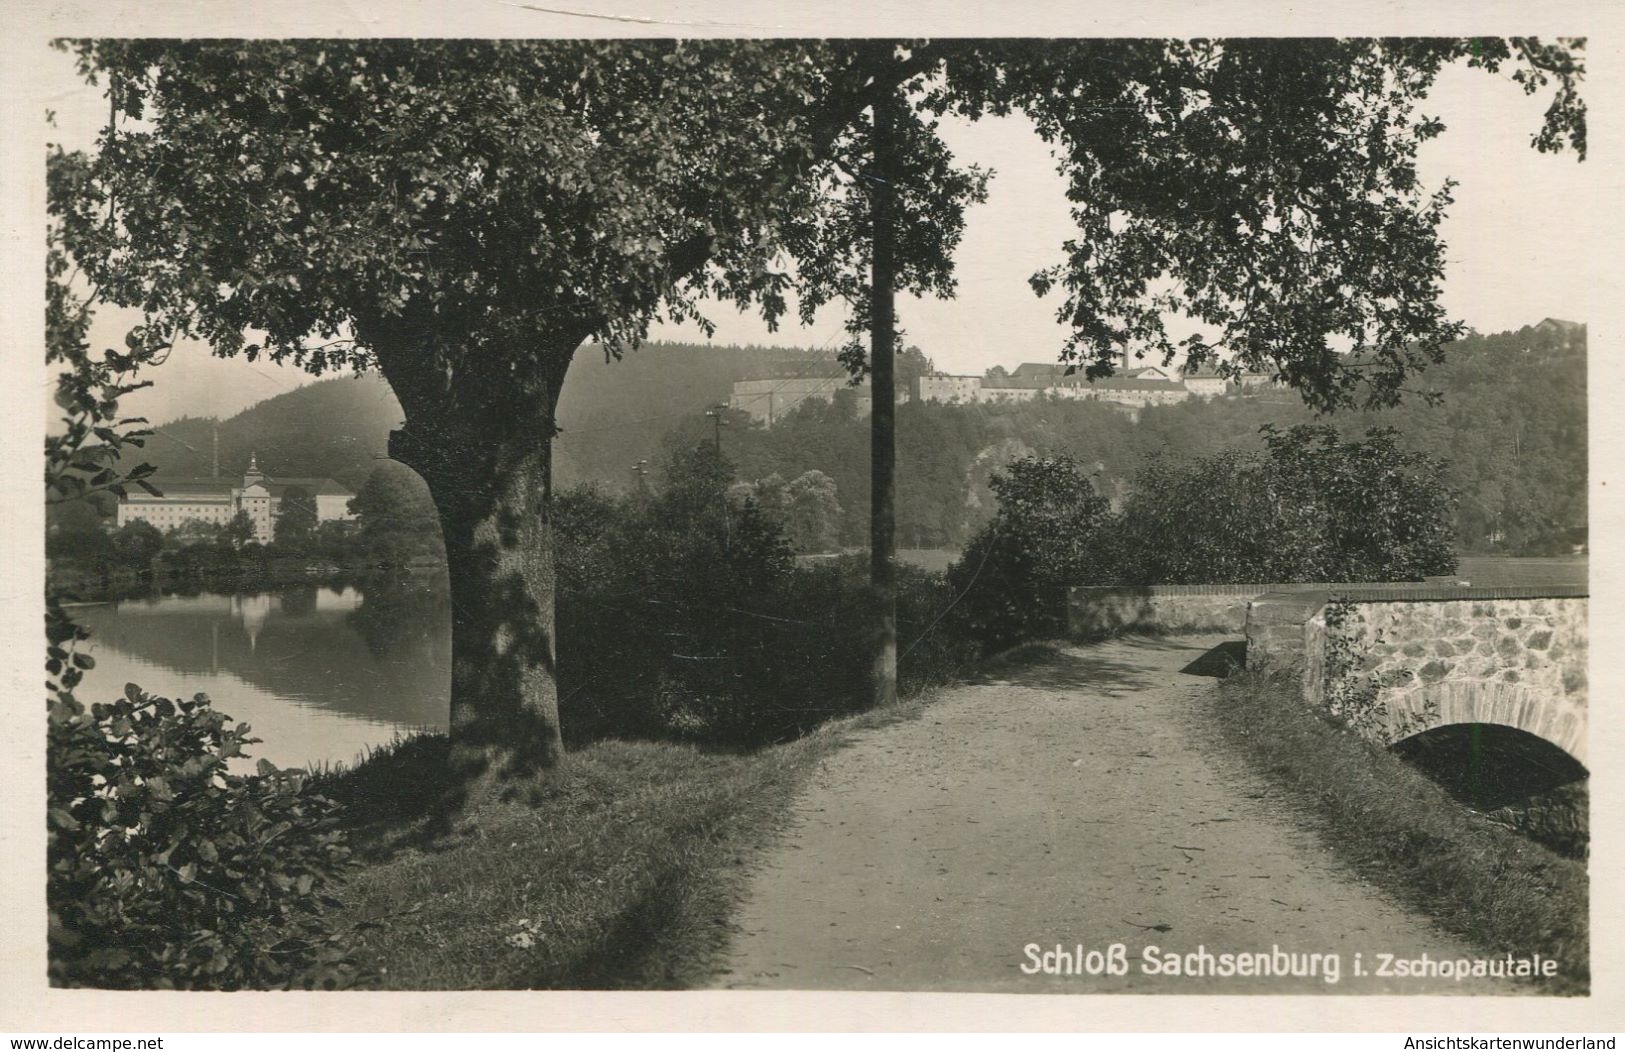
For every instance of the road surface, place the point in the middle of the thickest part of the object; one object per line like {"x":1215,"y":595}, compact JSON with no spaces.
{"x":1069,"y":813}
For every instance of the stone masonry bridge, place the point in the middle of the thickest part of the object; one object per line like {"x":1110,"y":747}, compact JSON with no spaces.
{"x":1435,"y":654}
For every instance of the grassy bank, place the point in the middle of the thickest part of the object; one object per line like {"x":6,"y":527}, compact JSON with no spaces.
{"x":620,"y":872}
{"x":1403,"y":832}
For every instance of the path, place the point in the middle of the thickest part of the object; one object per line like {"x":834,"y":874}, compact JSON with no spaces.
{"x":1080,"y":800}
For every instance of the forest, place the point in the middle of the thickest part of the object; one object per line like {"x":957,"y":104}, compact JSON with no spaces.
{"x":1509,"y":422}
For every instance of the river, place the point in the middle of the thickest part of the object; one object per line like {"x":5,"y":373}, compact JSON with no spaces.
{"x":321,"y":674}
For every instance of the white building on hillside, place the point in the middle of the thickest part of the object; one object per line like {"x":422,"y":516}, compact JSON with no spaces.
{"x":949,"y":389}
{"x":217,"y":501}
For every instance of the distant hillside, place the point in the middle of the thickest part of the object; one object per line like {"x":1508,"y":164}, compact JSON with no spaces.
{"x":612,"y":414}
{"x":335,"y":429}
{"x":615,"y":413}
{"x":1512,"y":426}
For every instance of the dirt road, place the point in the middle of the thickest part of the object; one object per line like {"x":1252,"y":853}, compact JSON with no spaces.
{"x":1077,"y":804}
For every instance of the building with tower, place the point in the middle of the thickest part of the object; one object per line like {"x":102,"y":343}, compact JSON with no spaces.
{"x":217,"y":501}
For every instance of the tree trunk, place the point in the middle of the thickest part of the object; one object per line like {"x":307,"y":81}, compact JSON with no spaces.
{"x":485,"y":451}
{"x":495,"y":519}
{"x":883,"y":408}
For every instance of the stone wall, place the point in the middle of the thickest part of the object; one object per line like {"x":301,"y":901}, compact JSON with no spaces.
{"x":1512,"y":656}
{"x":1109,"y":609}
{"x":1518,"y":662}
{"x":1286,"y":631}
{"x":1095,"y":612}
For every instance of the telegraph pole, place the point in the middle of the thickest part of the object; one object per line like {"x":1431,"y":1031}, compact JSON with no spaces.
{"x":883,"y":400}
{"x":715,"y":413}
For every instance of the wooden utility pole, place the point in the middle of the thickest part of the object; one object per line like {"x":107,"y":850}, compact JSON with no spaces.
{"x":716,"y":414}
{"x":883,"y":399}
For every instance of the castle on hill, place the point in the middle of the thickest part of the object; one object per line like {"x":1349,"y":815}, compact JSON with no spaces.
{"x":767,"y":399}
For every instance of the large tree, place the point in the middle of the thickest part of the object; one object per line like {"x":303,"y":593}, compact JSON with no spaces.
{"x":464,"y":215}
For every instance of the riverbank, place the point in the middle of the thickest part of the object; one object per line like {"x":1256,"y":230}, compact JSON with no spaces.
{"x":79,"y":586}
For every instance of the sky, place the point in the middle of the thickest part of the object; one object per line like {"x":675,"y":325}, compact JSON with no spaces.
{"x":1517,"y":239}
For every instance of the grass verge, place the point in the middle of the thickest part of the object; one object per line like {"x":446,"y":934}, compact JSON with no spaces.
{"x":621,"y":871}
{"x":1403,"y":832}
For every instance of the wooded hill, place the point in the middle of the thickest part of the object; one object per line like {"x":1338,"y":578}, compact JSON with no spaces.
{"x":1512,"y":425}
{"x":613,"y":414}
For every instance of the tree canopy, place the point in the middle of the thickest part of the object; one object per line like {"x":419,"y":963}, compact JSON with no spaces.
{"x":501,"y":190}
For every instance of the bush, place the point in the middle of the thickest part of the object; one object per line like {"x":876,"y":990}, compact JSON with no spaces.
{"x":1044,"y":536}
{"x":1223,"y":519}
{"x":137,"y":543}
{"x":1311,"y":507}
{"x":1386,"y":513}
{"x":671,"y":610}
{"x":168,"y":871}
{"x":682,"y":615}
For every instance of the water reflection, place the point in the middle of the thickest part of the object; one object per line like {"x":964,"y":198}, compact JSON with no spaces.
{"x":321,"y":673}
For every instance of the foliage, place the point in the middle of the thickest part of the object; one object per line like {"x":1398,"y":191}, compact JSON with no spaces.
{"x":682,"y":615}
{"x":812,"y":512}
{"x":167,"y":870}
{"x":1312,"y":507}
{"x":239,"y":532}
{"x":1383,"y":513}
{"x":74,"y":532}
{"x":81,"y":461}
{"x":395,"y":518}
{"x":806,"y":508}
{"x":296,"y":518}
{"x":194,"y":532}
{"x":1512,"y":428}
{"x":667,"y":607}
{"x":137,"y":543}
{"x":1264,"y":189}
{"x":1044,"y":537}
{"x":1225,"y":518}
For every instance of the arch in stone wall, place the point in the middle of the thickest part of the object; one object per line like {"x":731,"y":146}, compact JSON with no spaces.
{"x":1560,"y":720}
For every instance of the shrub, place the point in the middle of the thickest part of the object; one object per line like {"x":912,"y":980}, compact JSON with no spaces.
{"x":1387,"y":513}
{"x":1224,"y":519}
{"x":137,"y":543}
{"x":1311,"y":507}
{"x":167,"y":870}
{"x":672,"y":611}
{"x":682,"y":615}
{"x":1045,"y":535}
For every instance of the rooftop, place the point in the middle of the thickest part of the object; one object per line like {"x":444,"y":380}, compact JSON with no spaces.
{"x":199,"y":487}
